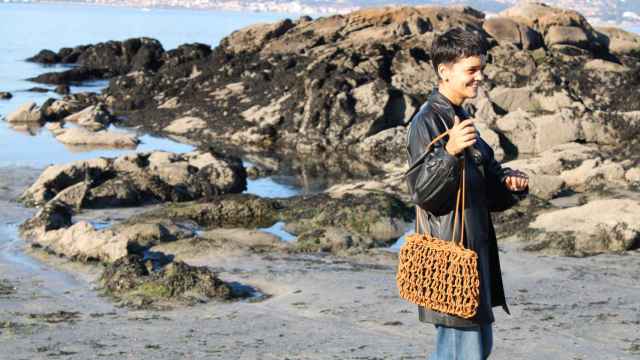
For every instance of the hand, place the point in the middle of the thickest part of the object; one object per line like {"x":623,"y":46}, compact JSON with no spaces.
{"x":461,"y":135}
{"x":516,"y":181}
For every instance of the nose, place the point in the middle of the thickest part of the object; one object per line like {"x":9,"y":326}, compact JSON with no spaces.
{"x":479,"y":76}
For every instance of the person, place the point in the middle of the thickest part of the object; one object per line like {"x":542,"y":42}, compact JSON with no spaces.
{"x":458,"y":58}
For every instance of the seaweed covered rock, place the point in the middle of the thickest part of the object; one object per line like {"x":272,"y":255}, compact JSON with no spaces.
{"x":141,"y":178}
{"x":600,"y":226}
{"x":135,"y":282}
{"x":324,"y":223}
{"x":226,"y":211}
{"x":102,"y":60}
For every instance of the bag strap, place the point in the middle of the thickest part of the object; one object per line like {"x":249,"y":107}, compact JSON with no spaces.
{"x":460,"y":193}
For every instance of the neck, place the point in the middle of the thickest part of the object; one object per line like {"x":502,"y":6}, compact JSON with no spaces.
{"x":454,"y":98}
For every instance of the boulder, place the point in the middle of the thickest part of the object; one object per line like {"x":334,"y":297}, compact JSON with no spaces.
{"x":63,"y":89}
{"x":26,"y":113}
{"x":56,"y":110}
{"x":45,"y":56}
{"x":593,"y":174}
{"x":621,"y":42}
{"x":531,"y":134}
{"x":186,"y":125}
{"x":545,"y":168}
{"x":508,"y":31}
{"x":135,"y":179}
{"x":72,"y":76}
{"x":557,"y":26}
{"x":95,"y":117}
{"x":567,"y":35}
{"x":600,"y":226}
{"x":101,"y":138}
{"x":133,"y":282}
{"x":5,"y":95}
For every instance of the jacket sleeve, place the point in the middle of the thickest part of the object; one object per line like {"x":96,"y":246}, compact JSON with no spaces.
{"x":433,"y":177}
{"x":499,"y":197}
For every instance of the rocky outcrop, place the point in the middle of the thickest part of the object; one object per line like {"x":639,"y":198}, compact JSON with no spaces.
{"x":5,"y":95}
{"x":96,"y":117}
{"x":575,"y":167}
{"x":95,"y":139}
{"x":185,"y":125}
{"x":26,"y":113}
{"x":136,"y":283}
{"x":140,"y":178}
{"x":621,"y":42}
{"x":72,"y":76}
{"x":610,"y":225}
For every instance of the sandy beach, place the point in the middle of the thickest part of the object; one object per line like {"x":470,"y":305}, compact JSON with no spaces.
{"x":317,"y":306}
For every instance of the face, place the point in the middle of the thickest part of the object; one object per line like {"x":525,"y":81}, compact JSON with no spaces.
{"x":463,"y":77}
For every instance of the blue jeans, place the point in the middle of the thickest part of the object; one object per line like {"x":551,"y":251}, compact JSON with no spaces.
{"x":463,"y":343}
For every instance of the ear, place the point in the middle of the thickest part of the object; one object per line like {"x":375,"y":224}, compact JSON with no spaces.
{"x":443,"y":71}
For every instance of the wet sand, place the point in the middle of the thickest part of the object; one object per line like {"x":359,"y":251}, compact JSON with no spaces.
{"x":317,"y":306}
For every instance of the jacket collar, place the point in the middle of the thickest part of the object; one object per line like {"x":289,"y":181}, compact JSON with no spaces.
{"x":442,"y":104}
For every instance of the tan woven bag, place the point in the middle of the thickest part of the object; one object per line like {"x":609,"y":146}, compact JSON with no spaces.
{"x":439,"y":274}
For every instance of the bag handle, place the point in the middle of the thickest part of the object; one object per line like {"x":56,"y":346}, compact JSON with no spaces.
{"x":461,"y":192}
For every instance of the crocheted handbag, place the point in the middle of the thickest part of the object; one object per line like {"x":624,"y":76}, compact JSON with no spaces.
{"x":439,"y":274}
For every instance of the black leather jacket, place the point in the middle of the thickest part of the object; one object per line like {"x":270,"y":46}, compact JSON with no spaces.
{"x":433,"y":181}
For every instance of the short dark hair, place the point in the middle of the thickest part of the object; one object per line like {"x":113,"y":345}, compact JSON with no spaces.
{"x":456,"y":44}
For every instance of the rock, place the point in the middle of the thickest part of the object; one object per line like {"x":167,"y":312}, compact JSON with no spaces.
{"x":224,"y":240}
{"x":608,"y":225}
{"x":95,"y":117}
{"x":172,"y":103}
{"x":5,"y":95}
{"x":132,"y":283}
{"x":545,"y":168}
{"x":266,"y":115}
{"x":620,"y":41}
{"x":509,"y":99}
{"x":507,"y":31}
{"x":383,"y":106}
{"x":101,"y":138}
{"x":593,"y":174}
{"x":558,"y":26}
{"x":26,"y":113}
{"x":56,"y":110}
{"x":546,"y":187}
{"x":228,"y":211}
{"x":185,"y":125}
{"x":45,"y":57}
{"x":38,"y":89}
{"x":378,"y":217}
{"x":185,"y":53}
{"x":52,"y":229}
{"x":81,"y":241}
{"x":330,"y":240}
{"x":567,"y":35}
{"x":63,"y":89}
{"x":76,"y":75}
{"x":73,"y":196}
{"x":135,"y":179}
{"x":53,"y":216}
{"x":492,"y":139}
{"x":56,"y":178}
{"x":603,"y":65}
{"x":633,"y":175}
{"x":386,"y":145}
{"x":530,"y":134}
